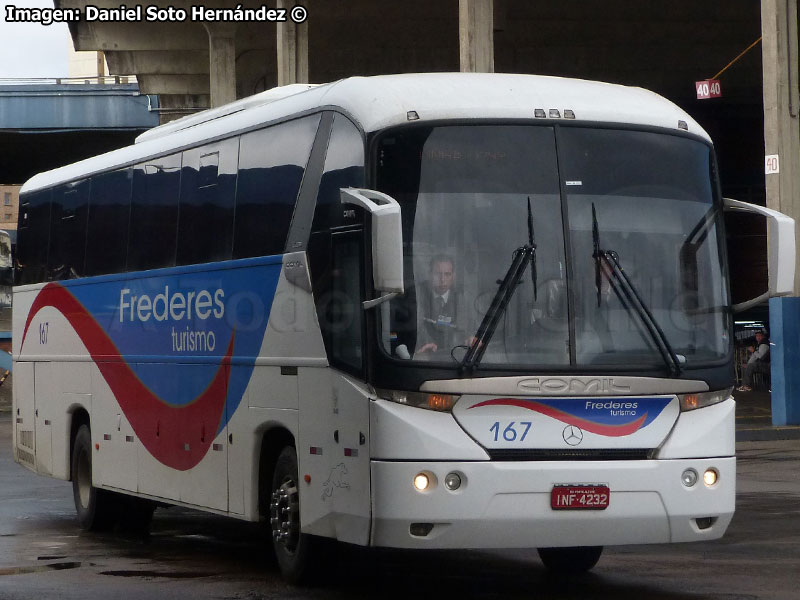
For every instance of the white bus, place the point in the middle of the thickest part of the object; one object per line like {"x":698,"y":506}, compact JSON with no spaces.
{"x":411,"y":311}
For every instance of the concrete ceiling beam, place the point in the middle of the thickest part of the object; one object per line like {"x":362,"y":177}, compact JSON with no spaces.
{"x":187,"y":103}
{"x":158,"y":62}
{"x":140,"y":36}
{"x":174,"y":84}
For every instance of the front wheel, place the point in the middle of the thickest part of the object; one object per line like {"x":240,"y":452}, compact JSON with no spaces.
{"x":293,"y":550}
{"x":571,"y":561}
{"x":96,"y":508}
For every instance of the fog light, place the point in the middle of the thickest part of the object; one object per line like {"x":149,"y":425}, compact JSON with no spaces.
{"x":689,"y":477}
{"x":421,"y":482}
{"x":705,"y":522}
{"x":420,"y":529}
{"x":452,"y":481}
{"x":710,"y":477}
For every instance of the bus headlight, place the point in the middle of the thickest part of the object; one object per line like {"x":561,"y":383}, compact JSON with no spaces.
{"x":421,"y":482}
{"x":701,"y":400}
{"x":424,"y":481}
{"x":710,"y":477}
{"x":438,"y":402}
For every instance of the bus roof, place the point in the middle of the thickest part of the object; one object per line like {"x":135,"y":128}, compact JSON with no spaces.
{"x":386,"y":100}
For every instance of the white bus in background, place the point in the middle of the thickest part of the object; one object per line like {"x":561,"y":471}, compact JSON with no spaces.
{"x":236,"y":314}
{"x":6,"y":269}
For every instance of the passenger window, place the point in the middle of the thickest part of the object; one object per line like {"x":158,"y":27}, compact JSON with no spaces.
{"x":154,"y":213}
{"x":209,"y":169}
{"x":33,"y":237}
{"x":68,"y":216}
{"x":272,"y":162}
{"x":344,"y":316}
{"x":344,"y":167}
{"x":208,"y":188}
{"x":109,"y":216}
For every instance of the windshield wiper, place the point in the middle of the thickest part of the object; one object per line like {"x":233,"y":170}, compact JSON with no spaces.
{"x":521,"y":257}
{"x":611,"y":259}
{"x":532,"y":244}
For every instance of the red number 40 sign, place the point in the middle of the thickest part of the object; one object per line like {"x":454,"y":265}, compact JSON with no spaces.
{"x":709,"y":88}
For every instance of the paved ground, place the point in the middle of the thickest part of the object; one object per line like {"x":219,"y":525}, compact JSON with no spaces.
{"x":754,"y":418}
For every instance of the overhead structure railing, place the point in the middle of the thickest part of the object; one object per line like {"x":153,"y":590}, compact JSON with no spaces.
{"x":96,"y":79}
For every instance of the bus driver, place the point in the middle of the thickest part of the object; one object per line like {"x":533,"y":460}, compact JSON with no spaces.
{"x":431,"y":316}
{"x":438,"y":303}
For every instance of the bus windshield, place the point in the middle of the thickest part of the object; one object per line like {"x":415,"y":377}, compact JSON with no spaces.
{"x":474,"y":196}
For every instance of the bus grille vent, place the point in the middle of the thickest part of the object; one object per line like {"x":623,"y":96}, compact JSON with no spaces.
{"x":26,"y":439}
{"x":572,"y":454}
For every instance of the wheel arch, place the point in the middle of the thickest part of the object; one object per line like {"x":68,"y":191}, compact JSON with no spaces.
{"x":77,"y":416}
{"x":274,"y":438}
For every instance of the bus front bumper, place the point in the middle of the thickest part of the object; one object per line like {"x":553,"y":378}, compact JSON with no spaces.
{"x":508,"y":504}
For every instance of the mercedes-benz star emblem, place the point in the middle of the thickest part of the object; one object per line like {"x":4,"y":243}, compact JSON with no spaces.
{"x":572,"y":435}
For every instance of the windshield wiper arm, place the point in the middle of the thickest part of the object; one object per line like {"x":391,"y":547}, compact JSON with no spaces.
{"x":532,"y":244}
{"x":522,"y":256}
{"x":611,"y":259}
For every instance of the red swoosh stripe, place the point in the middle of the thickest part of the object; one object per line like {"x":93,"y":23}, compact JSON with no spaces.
{"x":564,"y":417}
{"x":177,"y":436}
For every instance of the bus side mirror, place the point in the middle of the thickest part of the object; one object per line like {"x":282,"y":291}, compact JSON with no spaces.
{"x":387,"y":240}
{"x":781,"y":251}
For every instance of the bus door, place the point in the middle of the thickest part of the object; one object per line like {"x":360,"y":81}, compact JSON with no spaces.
{"x":334,"y":405}
{"x":348,"y":483}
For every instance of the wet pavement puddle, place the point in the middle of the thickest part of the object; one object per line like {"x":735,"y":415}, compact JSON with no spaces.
{"x":39,"y":568}
{"x":159,"y":574}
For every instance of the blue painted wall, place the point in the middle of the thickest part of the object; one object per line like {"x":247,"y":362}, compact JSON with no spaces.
{"x":76,"y":106}
{"x":784,"y":322}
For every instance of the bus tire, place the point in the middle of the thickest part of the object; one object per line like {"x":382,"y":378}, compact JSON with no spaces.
{"x":570,"y":561}
{"x":294,"y":551}
{"x":96,"y":508}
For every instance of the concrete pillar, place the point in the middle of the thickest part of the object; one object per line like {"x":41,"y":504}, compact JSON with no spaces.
{"x":222,"y":62}
{"x":782,"y":137}
{"x":781,"y":106}
{"x":292,"y":43}
{"x":101,"y":64}
{"x":476,"y":35}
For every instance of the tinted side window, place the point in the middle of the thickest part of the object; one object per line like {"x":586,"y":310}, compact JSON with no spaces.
{"x":109,"y":215}
{"x":208,"y":186}
{"x":344,"y":316}
{"x":271,"y":166}
{"x":337,"y":267}
{"x":33,"y":237}
{"x":154,"y":213}
{"x":68,"y":216}
{"x":344,"y":167}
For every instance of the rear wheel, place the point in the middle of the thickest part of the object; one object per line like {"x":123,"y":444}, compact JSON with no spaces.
{"x":570,"y":561}
{"x":96,"y":508}
{"x":293,"y":550}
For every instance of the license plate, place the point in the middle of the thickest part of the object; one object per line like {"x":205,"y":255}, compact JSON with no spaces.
{"x":580,"y":497}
